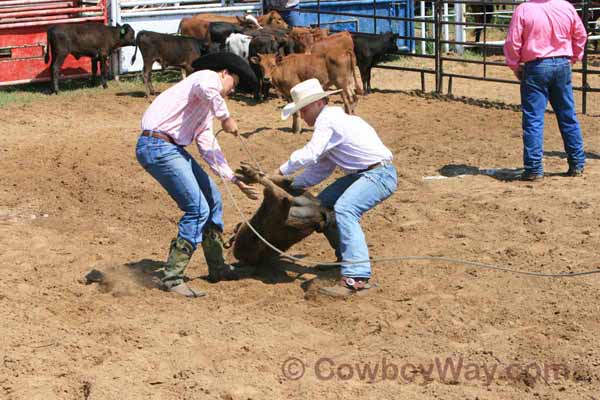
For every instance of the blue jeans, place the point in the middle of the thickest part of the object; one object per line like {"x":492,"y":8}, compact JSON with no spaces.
{"x":186,"y":182}
{"x":291,"y":16}
{"x":543,"y":80}
{"x":350,"y":197}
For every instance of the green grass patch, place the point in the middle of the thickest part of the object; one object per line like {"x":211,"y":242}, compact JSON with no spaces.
{"x":39,"y":91}
{"x":15,"y":97}
{"x":472,"y":55}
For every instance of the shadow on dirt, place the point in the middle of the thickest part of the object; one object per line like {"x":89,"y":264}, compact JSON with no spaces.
{"x":281,"y":270}
{"x":290,"y":130}
{"x":136,"y":94}
{"x":254,"y":132}
{"x":146,"y":272}
{"x":501,"y":174}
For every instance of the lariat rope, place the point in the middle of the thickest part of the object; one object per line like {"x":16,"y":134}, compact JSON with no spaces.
{"x":312,"y":263}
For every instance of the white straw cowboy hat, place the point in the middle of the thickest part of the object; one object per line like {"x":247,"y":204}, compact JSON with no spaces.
{"x":303,"y":94}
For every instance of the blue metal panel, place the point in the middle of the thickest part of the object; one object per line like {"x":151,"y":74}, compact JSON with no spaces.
{"x":386,"y":8}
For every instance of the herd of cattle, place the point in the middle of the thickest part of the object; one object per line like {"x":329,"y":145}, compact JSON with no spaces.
{"x":279,"y":55}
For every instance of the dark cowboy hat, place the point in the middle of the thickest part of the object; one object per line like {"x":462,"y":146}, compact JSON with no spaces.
{"x":231,"y":62}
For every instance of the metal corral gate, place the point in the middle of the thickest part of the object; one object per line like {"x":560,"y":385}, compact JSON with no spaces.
{"x":443,"y":37}
{"x":585,"y":8}
{"x":367,"y":16}
{"x":23,"y":25}
{"x":164,"y":16}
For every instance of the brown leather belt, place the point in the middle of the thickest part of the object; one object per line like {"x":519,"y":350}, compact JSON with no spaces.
{"x":373,"y":166}
{"x":159,"y":135}
{"x":547,"y":58}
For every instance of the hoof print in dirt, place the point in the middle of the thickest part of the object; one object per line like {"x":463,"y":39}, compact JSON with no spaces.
{"x":94,"y":276}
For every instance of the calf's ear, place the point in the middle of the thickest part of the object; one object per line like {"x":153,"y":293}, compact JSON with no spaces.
{"x":122,"y":31}
{"x":254,"y":60}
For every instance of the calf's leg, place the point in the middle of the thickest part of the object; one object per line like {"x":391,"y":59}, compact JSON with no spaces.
{"x":57,"y":61}
{"x":94,"y":67}
{"x":363,"y":77}
{"x":296,"y":127}
{"x":103,"y":71}
{"x":147,"y":76}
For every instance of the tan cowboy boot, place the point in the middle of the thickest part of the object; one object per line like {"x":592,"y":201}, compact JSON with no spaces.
{"x":218,"y":270}
{"x":180,"y":254}
{"x":348,"y":286}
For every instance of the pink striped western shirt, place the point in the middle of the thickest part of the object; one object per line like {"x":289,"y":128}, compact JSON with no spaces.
{"x":542,"y":29}
{"x":185,"y":112}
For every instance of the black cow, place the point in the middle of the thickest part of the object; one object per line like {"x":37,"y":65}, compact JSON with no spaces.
{"x":85,"y":40}
{"x":370,"y":50}
{"x":168,"y":51}
{"x":282,"y":37}
{"x":218,"y":32}
{"x":483,"y":16}
{"x":263,"y":44}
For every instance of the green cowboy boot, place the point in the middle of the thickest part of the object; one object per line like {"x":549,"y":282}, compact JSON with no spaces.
{"x":218,"y":270}
{"x":180,"y":254}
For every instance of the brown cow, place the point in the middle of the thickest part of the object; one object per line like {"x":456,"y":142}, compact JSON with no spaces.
{"x":284,"y":73}
{"x":332,"y":45}
{"x":284,"y":218}
{"x":197,"y":26}
{"x":340,"y":40}
{"x":304,"y":37}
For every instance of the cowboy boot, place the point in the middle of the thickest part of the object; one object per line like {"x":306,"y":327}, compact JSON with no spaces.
{"x":348,"y":286}
{"x":218,"y":270}
{"x":180,"y":254}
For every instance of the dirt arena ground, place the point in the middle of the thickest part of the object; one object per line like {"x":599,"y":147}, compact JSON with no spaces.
{"x":73,"y":198}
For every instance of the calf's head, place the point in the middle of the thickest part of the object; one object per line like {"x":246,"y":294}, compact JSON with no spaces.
{"x":302,"y":41}
{"x":390,"y":42}
{"x":267,"y":63}
{"x":126,"y":35}
{"x":275,"y":20}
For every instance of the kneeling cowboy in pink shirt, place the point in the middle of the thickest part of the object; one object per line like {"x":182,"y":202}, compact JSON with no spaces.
{"x":179,"y":116}
{"x":547,"y":36}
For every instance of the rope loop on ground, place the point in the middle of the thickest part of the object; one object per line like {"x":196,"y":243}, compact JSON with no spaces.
{"x":312,"y":263}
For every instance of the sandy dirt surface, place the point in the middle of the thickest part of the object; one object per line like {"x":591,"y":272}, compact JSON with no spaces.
{"x":73,"y":198}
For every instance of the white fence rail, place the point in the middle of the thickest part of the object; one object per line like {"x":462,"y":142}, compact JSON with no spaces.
{"x":163,"y":16}
{"x":457,"y":12}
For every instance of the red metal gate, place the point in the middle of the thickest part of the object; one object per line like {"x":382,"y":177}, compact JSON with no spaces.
{"x":23,"y":25}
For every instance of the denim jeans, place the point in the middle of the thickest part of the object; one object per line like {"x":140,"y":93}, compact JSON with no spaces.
{"x":186,"y":182}
{"x":350,"y":197}
{"x":291,"y":16}
{"x":543,"y":80}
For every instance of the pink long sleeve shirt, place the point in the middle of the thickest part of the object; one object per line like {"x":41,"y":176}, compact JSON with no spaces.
{"x":185,"y":112}
{"x":542,"y":29}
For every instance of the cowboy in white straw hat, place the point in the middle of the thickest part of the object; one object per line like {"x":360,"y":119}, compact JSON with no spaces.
{"x":350,"y":143}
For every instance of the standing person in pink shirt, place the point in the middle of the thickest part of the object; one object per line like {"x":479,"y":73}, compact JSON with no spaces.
{"x":179,"y":116}
{"x":545,"y":37}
